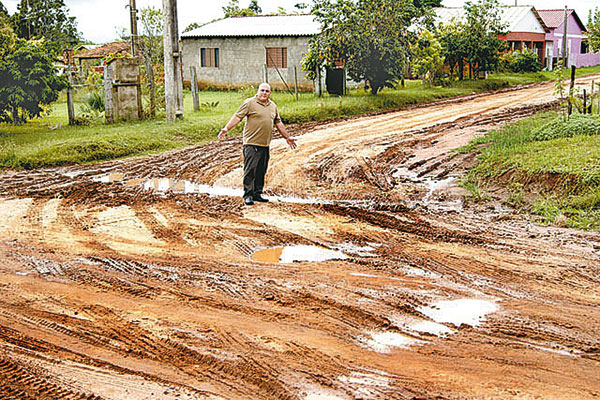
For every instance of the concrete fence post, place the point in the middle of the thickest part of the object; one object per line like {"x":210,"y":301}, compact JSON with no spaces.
{"x":195,"y":88}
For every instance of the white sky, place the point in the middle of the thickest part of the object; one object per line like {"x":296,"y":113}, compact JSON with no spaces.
{"x":99,"y":20}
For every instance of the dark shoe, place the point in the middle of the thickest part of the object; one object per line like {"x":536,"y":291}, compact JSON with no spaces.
{"x":260,"y":199}
{"x":248,"y":201}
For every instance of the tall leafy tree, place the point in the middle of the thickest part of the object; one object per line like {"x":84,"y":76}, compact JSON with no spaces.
{"x":3,"y":11}
{"x":455,"y":46}
{"x":369,"y":37}
{"x":46,"y":19}
{"x":233,"y":9}
{"x":482,"y":27}
{"x":151,"y":46}
{"x":427,"y":56}
{"x":29,"y":80}
{"x":593,"y":30}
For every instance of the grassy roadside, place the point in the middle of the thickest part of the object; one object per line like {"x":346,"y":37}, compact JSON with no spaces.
{"x":543,"y":166}
{"x":49,"y":141}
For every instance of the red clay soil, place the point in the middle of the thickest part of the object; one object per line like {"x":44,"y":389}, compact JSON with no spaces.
{"x":116,"y":283}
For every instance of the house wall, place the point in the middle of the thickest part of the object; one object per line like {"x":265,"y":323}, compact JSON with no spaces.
{"x":242,"y":60}
{"x":529,"y":23}
{"x":574,"y":38}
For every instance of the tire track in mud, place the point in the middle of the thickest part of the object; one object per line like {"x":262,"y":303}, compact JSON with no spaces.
{"x":18,"y":383}
{"x":398,"y":218}
{"x":43,"y":349}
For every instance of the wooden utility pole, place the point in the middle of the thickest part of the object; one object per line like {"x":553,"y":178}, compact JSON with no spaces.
{"x":571,"y":88}
{"x":564,"y":43}
{"x":134,"y":33}
{"x":70,"y":109}
{"x":173,"y":82}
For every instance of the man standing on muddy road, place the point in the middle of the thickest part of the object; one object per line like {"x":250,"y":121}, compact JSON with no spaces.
{"x":261,"y":115}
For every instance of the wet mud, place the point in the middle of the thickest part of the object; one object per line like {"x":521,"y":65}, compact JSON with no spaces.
{"x":364,"y":277}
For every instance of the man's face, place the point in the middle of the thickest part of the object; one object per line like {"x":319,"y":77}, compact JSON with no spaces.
{"x":263,"y":94}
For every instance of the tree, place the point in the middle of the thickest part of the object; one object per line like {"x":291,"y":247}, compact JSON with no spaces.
{"x":7,"y":36}
{"x":454,"y":47}
{"x":46,"y":19}
{"x":369,"y":37}
{"x":427,"y":3}
{"x":593,"y":30}
{"x":255,"y":7}
{"x":474,"y":40}
{"x":151,"y":46}
{"x":233,"y":9}
{"x":428,"y":57}
{"x":3,"y":11}
{"x":29,"y":81}
{"x":482,"y":27}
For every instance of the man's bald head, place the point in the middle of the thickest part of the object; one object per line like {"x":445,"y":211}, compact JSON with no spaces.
{"x":264,"y":92}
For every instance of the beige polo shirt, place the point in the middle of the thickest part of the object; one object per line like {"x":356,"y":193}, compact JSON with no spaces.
{"x":260,"y":119}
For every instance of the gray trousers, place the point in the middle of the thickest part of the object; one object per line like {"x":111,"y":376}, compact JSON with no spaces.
{"x":256,"y":161}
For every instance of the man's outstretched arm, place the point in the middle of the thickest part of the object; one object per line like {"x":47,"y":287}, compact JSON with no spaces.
{"x":290,"y":140}
{"x":230,"y":125}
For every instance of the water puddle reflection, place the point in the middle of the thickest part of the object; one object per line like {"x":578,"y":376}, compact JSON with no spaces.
{"x":457,"y":312}
{"x":289,"y":254}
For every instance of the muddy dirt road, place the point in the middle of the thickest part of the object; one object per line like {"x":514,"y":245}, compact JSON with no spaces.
{"x":365,"y":277}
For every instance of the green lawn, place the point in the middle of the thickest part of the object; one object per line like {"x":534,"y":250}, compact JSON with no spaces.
{"x":49,"y":141}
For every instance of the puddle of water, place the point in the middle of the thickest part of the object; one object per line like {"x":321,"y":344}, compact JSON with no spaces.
{"x":382,"y":342}
{"x":164,"y":185}
{"x":414,"y":271}
{"x":321,"y":396}
{"x":114,"y":177}
{"x":366,"y":379}
{"x":431,"y":327}
{"x":462,"y":311}
{"x":362,"y":251}
{"x":289,"y":254}
{"x":364,"y":275}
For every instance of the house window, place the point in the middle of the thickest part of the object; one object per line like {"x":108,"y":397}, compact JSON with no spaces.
{"x":584,"y":47}
{"x":209,"y":57}
{"x":276,"y":57}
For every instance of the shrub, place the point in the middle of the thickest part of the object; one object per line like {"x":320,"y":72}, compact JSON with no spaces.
{"x":576,"y":125}
{"x":95,"y":100}
{"x":521,"y":61}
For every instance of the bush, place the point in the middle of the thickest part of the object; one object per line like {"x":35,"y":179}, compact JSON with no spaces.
{"x":95,"y":100}
{"x":576,"y":125}
{"x":521,"y":61}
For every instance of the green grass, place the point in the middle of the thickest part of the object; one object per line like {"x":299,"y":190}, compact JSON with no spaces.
{"x":49,"y":141}
{"x":557,"y":180}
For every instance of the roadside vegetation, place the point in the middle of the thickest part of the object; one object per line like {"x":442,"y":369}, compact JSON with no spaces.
{"x":545,"y":165}
{"x":50,"y":141}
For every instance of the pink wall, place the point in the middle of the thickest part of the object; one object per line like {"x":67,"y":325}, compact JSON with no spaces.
{"x":575,"y":36}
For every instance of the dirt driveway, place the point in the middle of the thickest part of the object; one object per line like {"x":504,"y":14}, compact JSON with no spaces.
{"x":365,"y":277}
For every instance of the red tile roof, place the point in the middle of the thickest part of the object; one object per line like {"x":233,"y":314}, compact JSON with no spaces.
{"x":553,"y":18}
{"x":102,"y":51}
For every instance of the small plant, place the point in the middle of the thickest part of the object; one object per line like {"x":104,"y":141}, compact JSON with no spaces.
{"x":515,"y":195}
{"x":477,"y":191}
{"x":95,"y":100}
{"x":207,"y":105}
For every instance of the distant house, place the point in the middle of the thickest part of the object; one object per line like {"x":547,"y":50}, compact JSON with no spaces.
{"x":240,"y":51}
{"x":524,"y":26}
{"x":92,"y":59}
{"x":576,"y":45}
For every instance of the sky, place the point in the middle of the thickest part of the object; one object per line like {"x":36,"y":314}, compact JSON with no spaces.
{"x":100,"y":20}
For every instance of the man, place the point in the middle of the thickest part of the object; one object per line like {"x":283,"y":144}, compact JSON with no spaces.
{"x":261,"y":115}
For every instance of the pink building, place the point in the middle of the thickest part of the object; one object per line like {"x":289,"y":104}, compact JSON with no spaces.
{"x":577,"y":49}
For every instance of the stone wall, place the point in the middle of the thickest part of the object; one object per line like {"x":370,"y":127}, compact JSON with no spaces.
{"x":242,"y":60}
